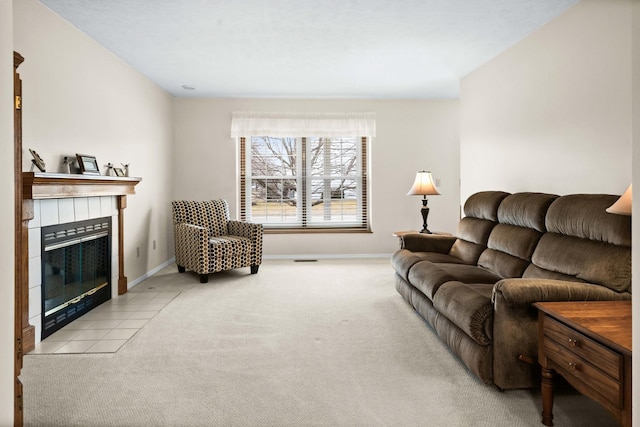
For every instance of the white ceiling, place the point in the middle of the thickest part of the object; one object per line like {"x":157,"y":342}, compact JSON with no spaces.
{"x":308,"y":48}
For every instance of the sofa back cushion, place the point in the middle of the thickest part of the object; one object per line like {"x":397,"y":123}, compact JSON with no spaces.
{"x":521,"y":223}
{"x":481,"y":215}
{"x":585,"y":243}
{"x":210,"y":214}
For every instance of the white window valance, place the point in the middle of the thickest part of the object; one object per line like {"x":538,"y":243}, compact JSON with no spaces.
{"x":303,"y":124}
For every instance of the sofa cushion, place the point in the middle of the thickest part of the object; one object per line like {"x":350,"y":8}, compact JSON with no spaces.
{"x":521,"y":218}
{"x":586,"y":242}
{"x":590,"y":261}
{"x":517,"y":241}
{"x":535,"y":272}
{"x":473,"y":234}
{"x":428,"y":277}
{"x":502,"y":264}
{"x":439,"y":258}
{"x":403,"y":260}
{"x":469,"y":307}
{"x":509,"y":250}
{"x":481,"y":210}
{"x":484,"y":205}
{"x":470,"y":273}
{"x":585,"y":216}
{"x":526,"y":210}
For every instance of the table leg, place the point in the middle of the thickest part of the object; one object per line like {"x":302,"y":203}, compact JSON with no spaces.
{"x":546,"y":391}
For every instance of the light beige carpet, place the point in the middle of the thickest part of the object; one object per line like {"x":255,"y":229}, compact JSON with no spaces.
{"x":327,"y":344}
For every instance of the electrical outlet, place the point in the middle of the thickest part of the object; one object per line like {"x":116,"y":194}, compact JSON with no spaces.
{"x":438,"y":182}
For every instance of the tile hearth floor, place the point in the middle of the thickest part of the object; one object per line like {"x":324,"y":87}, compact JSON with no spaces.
{"x":107,"y":327}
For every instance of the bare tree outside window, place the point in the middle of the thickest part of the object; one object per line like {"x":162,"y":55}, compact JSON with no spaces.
{"x":305,"y":181}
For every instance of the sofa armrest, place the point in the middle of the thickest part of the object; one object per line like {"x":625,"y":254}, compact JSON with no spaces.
{"x":515,"y":323}
{"x":524,"y":292}
{"x":191,"y":247}
{"x":427,"y":242}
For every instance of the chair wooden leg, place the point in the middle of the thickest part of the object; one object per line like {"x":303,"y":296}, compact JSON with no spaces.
{"x":204,"y":278}
{"x":254,"y":269}
{"x":181,"y":269}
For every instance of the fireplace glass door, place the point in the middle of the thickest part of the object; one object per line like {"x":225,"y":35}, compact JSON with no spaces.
{"x":76,"y":271}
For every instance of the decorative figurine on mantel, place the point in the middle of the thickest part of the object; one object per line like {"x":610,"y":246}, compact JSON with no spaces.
{"x":126,"y":168}
{"x":109,"y":167}
{"x":37,"y":161}
{"x":66,"y":163}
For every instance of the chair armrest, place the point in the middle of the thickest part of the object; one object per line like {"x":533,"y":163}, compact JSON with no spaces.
{"x":251,"y":231}
{"x":194,"y":234}
{"x":427,"y":242}
{"x":191,"y":240}
{"x":524,"y":292}
{"x":245,"y":229}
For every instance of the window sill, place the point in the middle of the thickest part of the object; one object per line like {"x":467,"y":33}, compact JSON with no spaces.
{"x":316,"y":230}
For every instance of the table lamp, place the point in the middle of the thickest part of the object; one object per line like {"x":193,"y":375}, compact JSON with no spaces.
{"x":424,"y":186}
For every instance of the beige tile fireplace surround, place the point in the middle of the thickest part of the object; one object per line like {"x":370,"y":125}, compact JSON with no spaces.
{"x":53,"y":199}
{"x":60,"y":211}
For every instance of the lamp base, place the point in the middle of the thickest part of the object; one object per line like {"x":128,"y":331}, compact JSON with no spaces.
{"x":425,"y":213}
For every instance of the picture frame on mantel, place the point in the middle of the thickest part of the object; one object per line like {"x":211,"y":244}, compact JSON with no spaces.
{"x":88,"y":164}
{"x":119,"y":171}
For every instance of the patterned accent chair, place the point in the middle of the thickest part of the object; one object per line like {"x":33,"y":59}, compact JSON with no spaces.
{"x":207,"y":241}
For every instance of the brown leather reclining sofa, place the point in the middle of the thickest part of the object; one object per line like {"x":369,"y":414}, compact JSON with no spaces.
{"x":476,"y":290}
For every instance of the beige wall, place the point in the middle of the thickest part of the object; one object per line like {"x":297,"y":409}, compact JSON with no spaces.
{"x":411,"y":135}
{"x":553,"y":113}
{"x":80,"y":98}
{"x":7,"y":224}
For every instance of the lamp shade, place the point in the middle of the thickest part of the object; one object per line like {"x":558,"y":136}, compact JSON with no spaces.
{"x":423,"y":185}
{"x":622,"y":206}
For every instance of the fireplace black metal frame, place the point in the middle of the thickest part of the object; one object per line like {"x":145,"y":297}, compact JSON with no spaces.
{"x":62,"y":237}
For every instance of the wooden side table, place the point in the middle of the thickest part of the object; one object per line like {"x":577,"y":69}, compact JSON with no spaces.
{"x":589,"y":344}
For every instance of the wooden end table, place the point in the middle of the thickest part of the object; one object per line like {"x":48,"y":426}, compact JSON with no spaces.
{"x":589,"y":344}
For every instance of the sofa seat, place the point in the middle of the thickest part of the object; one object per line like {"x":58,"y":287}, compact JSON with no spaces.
{"x":439,"y":258}
{"x":428,"y":277}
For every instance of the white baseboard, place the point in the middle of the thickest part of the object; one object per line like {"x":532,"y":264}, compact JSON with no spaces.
{"x":150,"y":273}
{"x":268,"y":257}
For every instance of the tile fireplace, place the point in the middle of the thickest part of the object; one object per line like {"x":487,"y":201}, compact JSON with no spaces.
{"x":59,"y":209}
{"x":72,"y":261}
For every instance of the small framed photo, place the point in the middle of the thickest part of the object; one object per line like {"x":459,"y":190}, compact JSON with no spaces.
{"x":118,"y":171}
{"x":88,"y":164}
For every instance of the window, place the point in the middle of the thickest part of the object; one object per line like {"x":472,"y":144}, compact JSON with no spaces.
{"x":304,"y":183}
